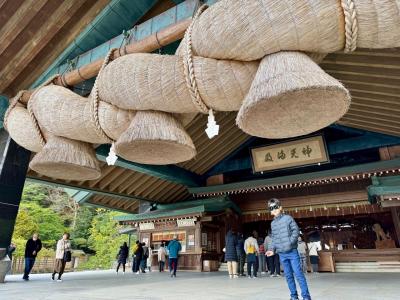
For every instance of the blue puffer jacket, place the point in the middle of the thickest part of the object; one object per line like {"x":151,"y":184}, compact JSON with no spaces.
{"x":285,"y":233}
{"x":230,"y":246}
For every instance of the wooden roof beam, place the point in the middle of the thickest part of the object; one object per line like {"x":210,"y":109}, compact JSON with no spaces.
{"x":167,"y":172}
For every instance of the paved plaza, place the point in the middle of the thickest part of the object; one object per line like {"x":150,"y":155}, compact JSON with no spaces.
{"x":206,"y":286}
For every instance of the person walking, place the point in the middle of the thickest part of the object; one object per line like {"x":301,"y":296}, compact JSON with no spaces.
{"x":32,"y":248}
{"x":145,"y":256}
{"x":251,"y":249}
{"x":63,"y":255}
{"x":302,"y":249}
{"x":174,"y":247}
{"x":285,"y":234}
{"x":150,"y":258}
{"x":139,"y":257}
{"x":135,"y":262}
{"x":313,"y":248}
{"x":241,"y":254}
{"x":230,"y":253}
{"x":273,"y":262}
{"x":161,"y":255}
{"x":122,"y":256}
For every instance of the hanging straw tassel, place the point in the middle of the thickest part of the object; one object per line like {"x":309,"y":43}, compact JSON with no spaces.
{"x":291,"y":96}
{"x":155,"y":138}
{"x":66,"y":159}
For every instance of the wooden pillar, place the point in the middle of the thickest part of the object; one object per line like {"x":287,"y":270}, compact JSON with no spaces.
{"x":396,"y":221}
{"x":14,"y":162}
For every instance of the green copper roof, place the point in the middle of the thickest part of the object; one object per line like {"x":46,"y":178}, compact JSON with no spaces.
{"x":383,"y":186}
{"x":183,"y":208}
{"x":339,"y":172}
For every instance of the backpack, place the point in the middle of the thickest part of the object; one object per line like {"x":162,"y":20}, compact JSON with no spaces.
{"x":251,"y":249}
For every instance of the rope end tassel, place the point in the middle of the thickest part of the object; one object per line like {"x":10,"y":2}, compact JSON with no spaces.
{"x":112,"y":156}
{"x":212,"y":127}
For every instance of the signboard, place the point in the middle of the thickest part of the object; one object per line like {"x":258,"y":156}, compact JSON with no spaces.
{"x":146,"y":226}
{"x":185,"y":222}
{"x":291,"y":154}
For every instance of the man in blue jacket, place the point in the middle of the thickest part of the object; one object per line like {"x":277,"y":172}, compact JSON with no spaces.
{"x":173,"y":249}
{"x":285,"y":233}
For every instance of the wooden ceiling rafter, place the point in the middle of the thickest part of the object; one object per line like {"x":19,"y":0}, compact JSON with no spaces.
{"x":128,"y":183}
{"x":54,"y":21}
{"x":105,"y":182}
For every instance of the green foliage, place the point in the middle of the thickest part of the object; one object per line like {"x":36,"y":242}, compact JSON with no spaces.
{"x":50,"y":212}
{"x":104,"y":239}
{"x":34,"y":218}
{"x":80,"y":234}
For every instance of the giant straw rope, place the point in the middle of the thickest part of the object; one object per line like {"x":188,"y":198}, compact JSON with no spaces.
{"x":246,"y":56}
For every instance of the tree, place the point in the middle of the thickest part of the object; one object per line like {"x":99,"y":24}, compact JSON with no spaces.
{"x":104,"y":239}
{"x":80,"y":234}
{"x":34,"y":218}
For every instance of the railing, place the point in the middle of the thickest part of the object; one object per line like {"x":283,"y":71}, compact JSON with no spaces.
{"x":44,"y":264}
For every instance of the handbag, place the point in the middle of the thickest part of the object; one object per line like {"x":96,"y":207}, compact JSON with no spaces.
{"x":67,"y":256}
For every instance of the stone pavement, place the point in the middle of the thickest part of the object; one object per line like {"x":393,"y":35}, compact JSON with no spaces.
{"x":205,"y":286}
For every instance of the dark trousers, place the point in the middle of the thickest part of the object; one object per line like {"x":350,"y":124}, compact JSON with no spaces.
{"x":242,"y":260}
{"x":251,"y":261}
{"x":173,"y":265}
{"x":135,"y":265}
{"x":123,"y":267}
{"x":274,"y":265}
{"x":143,"y":265}
{"x":161,"y":265}
{"x":29,"y":262}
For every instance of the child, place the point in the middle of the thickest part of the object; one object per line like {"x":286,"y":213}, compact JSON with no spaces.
{"x":285,"y":233}
{"x":251,"y":249}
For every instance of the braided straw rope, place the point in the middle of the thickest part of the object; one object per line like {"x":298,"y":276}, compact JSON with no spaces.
{"x":351,"y":25}
{"x":189,"y":68}
{"x":96,"y":100}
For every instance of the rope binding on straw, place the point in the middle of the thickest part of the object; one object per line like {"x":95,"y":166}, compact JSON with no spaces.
{"x":112,"y":157}
{"x":190,"y":77}
{"x":351,"y":25}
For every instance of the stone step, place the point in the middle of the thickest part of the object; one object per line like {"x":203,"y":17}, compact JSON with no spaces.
{"x":381,"y":267}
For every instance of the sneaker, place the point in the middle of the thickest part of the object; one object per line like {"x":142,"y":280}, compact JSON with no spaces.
{"x":52,"y":277}
{"x":123,"y":273}
{"x":272,"y":275}
{"x":230,"y":276}
{"x":116,"y":272}
{"x":138,"y":272}
{"x":59,"y":280}
{"x":262,"y":273}
{"x":278,"y":275}
{"x":249,"y":277}
{"x":235,"y":276}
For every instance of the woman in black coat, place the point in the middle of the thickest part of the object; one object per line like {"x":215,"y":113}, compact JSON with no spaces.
{"x":122,"y":256}
{"x":231,"y":242}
